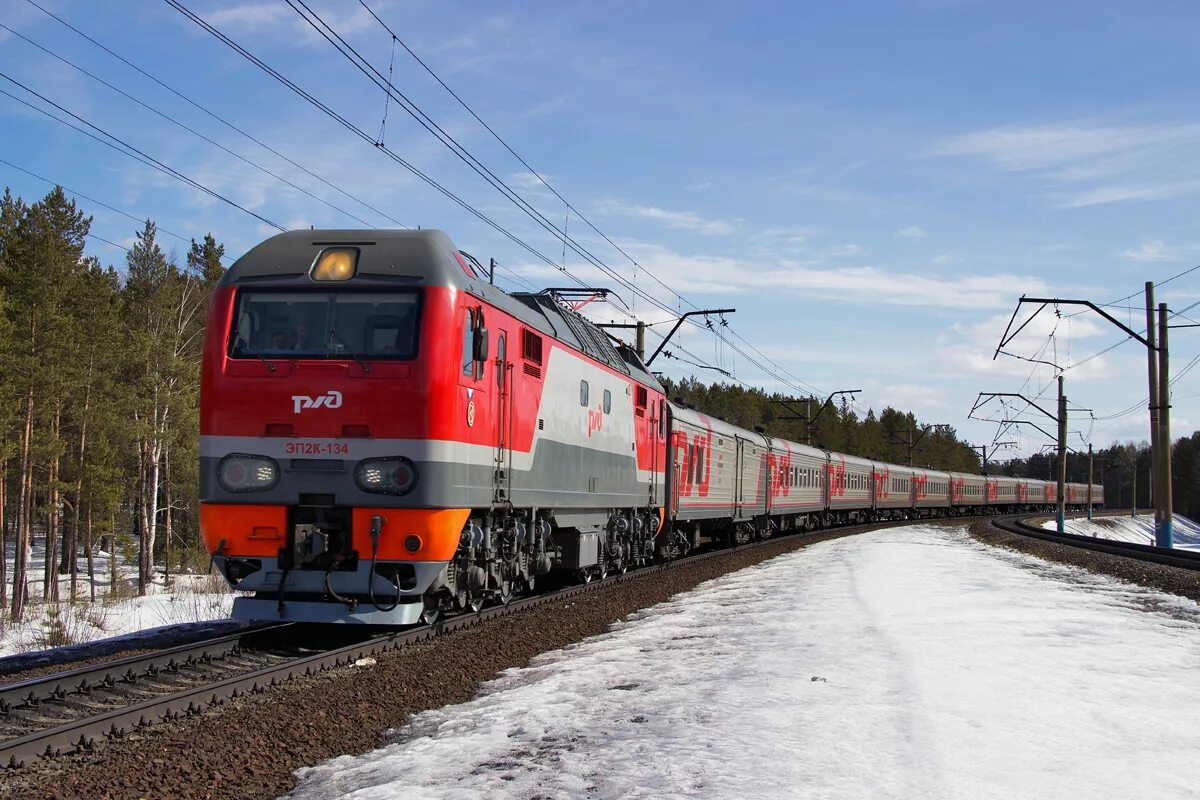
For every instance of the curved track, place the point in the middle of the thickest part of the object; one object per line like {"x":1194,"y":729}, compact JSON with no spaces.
{"x":1183,"y":559}
{"x":75,"y":710}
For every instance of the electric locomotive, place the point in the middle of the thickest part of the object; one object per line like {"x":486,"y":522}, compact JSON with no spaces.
{"x":385,"y":434}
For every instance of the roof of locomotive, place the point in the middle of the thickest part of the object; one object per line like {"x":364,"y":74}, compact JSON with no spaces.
{"x":424,"y":257}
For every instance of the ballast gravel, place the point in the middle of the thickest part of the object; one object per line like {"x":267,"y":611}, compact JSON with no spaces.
{"x":1174,"y":580}
{"x":249,"y":747}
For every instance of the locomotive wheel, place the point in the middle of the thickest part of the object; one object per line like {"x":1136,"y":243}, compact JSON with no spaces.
{"x":506,"y":593}
{"x":584,"y":576}
{"x":475,"y":602}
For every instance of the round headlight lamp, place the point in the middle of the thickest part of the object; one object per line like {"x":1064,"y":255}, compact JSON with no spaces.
{"x":396,"y":475}
{"x":243,"y":473}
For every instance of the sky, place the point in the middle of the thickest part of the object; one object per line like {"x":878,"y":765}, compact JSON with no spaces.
{"x":871,"y":185}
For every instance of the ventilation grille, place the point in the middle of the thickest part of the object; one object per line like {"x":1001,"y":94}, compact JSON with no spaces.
{"x":533,"y":371}
{"x":531,"y":347}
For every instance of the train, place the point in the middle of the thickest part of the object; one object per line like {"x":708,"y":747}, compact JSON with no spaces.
{"x":387,"y":436}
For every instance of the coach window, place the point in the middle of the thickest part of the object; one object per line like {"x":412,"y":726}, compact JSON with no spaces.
{"x":583,"y":393}
{"x":501,"y":359}
{"x":607,"y":401}
{"x":468,"y":348}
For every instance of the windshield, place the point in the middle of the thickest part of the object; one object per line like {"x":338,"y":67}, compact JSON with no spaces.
{"x":333,"y":325}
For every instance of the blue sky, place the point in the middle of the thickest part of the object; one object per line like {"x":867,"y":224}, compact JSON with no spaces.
{"x":871,"y":185}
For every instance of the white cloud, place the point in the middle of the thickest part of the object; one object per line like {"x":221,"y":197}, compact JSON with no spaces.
{"x":706,"y":274}
{"x":987,"y":332}
{"x":913,"y":232}
{"x":250,"y":16}
{"x":912,"y":397}
{"x":1119,"y":194}
{"x":699,"y":186}
{"x":272,"y":18}
{"x":527,"y":180}
{"x":687,"y":220}
{"x":1086,"y":165}
{"x":1151,"y":250}
{"x":842,"y":251}
{"x":1028,"y":148}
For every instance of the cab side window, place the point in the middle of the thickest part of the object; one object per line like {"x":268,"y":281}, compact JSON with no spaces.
{"x":468,"y":348}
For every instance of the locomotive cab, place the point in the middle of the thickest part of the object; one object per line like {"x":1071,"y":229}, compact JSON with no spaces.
{"x":367,"y":401}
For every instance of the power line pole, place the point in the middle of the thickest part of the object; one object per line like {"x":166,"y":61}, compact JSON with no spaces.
{"x":983,"y":451}
{"x":1159,"y":384}
{"x":806,"y":416}
{"x":1164,"y":533}
{"x":807,"y":423}
{"x":911,"y":443}
{"x":1062,"y":457}
{"x":1090,"y":478}
{"x":702,"y":312}
{"x":1152,"y":370}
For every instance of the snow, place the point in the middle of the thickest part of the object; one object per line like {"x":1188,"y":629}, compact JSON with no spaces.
{"x":192,"y":599}
{"x":912,"y":662}
{"x":1126,"y":528}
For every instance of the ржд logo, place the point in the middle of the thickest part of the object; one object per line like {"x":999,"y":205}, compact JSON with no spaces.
{"x":331,"y":399}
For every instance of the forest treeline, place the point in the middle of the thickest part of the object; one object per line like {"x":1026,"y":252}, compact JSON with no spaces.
{"x":99,"y":390}
{"x":1126,"y":471}
{"x":99,"y":383}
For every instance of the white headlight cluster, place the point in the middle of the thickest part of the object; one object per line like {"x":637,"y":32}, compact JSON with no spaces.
{"x":242,"y":473}
{"x":386,"y":475}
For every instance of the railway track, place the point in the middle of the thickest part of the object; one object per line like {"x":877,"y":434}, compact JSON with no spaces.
{"x":1183,"y":559}
{"x":77,"y":710}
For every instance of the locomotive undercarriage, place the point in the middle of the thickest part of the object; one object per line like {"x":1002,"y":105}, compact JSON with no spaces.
{"x":503,"y":553}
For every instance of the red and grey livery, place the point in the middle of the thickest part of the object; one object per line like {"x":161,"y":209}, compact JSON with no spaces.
{"x":384,"y":434}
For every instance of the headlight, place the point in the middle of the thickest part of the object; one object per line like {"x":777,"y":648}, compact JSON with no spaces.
{"x":239,"y":473}
{"x":386,"y":475}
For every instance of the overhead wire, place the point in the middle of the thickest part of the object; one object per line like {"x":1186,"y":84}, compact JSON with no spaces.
{"x":365,"y":137}
{"x":102,"y":204}
{"x":210,"y":113}
{"x":326,"y":31}
{"x":187,"y":128}
{"x":380,"y":80}
{"x":127,"y":149}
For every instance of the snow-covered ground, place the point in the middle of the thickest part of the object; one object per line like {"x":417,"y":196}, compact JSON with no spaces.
{"x":1139,"y":529}
{"x":907,"y":663}
{"x":192,"y":598}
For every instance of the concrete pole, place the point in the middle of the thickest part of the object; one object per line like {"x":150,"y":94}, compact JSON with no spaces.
{"x":910,"y":447}
{"x":1062,"y":458}
{"x":1152,"y":368}
{"x":1164,"y":534}
{"x":808,"y":421}
{"x":641,"y":340}
{"x":1133,"y":489}
{"x":1089,"y":480}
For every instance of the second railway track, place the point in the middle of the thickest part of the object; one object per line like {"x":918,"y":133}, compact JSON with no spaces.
{"x":1182,"y":559}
